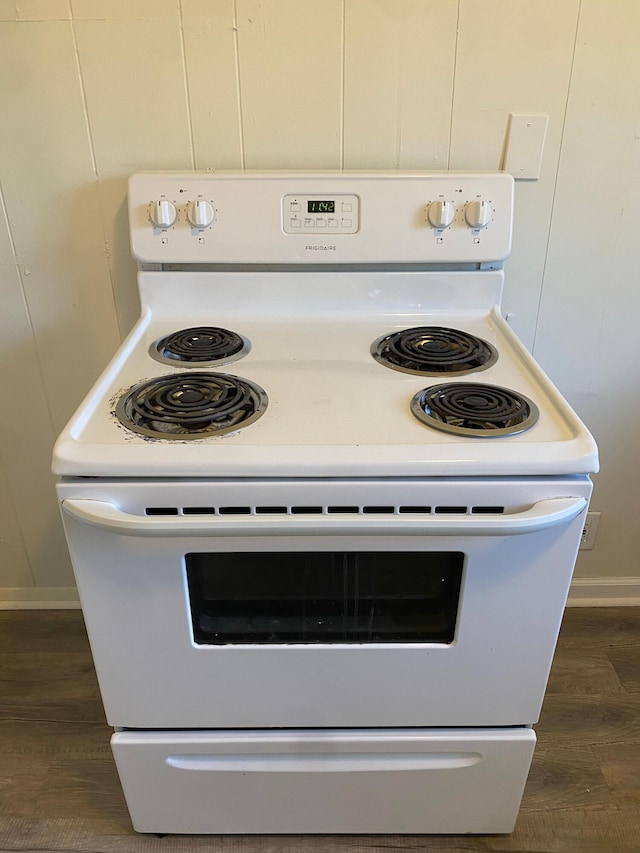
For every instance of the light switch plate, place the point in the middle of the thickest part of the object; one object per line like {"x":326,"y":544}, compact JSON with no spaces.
{"x":525,"y":144}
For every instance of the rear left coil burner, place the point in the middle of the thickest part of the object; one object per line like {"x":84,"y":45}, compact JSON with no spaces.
{"x":200,"y":345}
{"x":191,"y":405}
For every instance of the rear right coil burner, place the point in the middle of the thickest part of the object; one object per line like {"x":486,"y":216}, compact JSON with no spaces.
{"x":433,"y":351}
{"x":474,"y":410}
{"x":191,"y":405}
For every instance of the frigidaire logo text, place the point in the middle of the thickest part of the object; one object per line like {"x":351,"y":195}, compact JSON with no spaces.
{"x":319,"y":248}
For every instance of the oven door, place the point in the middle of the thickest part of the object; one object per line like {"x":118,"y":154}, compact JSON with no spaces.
{"x":327,"y":620}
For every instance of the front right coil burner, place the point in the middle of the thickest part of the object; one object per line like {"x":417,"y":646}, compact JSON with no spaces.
{"x":474,"y":410}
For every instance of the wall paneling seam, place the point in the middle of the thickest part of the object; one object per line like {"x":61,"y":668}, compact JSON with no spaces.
{"x":555,"y":180}
{"x":236,"y":47}
{"x":27,"y":310}
{"x":185,"y":76}
{"x":343,"y":61}
{"x":83,"y":98}
{"x":14,"y":254}
{"x":453,"y":85}
{"x":94,"y":167}
{"x":4,"y":476}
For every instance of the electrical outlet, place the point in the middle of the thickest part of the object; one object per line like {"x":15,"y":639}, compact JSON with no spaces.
{"x":588,"y":538}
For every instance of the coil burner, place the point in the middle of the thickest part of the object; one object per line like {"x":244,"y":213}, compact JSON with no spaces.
{"x":191,"y":405}
{"x":432,"y":351}
{"x":200,"y":346}
{"x":474,"y":410}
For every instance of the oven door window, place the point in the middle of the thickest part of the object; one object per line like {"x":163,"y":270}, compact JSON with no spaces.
{"x":343,"y":597}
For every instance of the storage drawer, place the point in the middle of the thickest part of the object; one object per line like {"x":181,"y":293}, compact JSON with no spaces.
{"x":324,"y":780}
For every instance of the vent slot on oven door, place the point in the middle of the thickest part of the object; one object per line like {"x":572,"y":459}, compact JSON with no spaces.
{"x":381,"y":509}
{"x":335,"y":597}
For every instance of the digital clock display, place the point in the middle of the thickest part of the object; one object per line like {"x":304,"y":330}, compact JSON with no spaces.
{"x":321,"y":206}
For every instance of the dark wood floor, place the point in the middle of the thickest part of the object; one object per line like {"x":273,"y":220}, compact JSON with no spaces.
{"x":59,"y":790}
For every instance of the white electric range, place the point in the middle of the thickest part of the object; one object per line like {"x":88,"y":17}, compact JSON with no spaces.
{"x":323,"y":508}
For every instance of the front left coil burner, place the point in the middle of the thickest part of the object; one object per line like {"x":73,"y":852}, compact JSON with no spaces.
{"x":191,"y":405}
{"x":200,"y":345}
{"x":474,"y":410}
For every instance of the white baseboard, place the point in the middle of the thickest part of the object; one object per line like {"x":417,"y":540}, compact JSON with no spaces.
{"x":604,"y":592}
{"x":584,"y":592}
{"x":39,"y":598}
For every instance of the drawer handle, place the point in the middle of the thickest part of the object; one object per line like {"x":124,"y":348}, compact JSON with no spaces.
{"x":322,"y":763}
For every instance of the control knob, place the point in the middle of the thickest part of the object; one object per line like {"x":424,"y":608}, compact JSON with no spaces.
{"x":162,"y":213}
{"x":478,"y":213}
{"x":440,"y":214}
{"x":200,"y":213}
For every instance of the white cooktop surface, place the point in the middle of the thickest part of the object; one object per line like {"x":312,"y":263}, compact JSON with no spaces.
{"x":333,"y":410}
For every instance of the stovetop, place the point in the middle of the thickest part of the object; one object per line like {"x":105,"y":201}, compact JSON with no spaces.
{"x":330,"y":408}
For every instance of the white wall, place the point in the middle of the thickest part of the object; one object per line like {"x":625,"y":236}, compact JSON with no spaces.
{"x":92,"y":90}
{"x":588,"y":330}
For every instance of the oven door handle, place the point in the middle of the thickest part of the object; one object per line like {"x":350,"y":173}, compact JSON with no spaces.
{"x":540,"y":515}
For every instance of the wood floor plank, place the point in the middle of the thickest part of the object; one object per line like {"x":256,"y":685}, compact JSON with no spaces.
{"x":37,"y":737}
{"x":600,"y":627}
{"x":611,"y":830}
{"x":21,"y":781}
{"x":84,"y":785}
{"x":625,"y":661}
{"x":86,"y":711}
{"x":579,"y":832}
{"x":591,"y":720}
{"x":42,"y":631}
{"x":620,"y":764}
{"x":578,"y":673}
{"x":61,"y":677}
{"x":565,"y":778}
